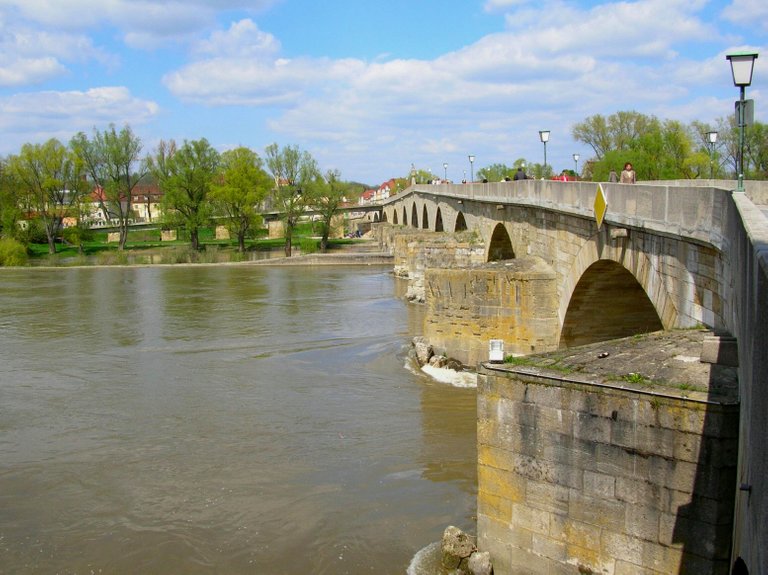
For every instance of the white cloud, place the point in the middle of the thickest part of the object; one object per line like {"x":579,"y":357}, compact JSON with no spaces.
{"x":29,"y":56}
{"x":38,"y":116}
{"x":748,"y":13}
{"x":243,"y":39}
{"x":23,"y":71}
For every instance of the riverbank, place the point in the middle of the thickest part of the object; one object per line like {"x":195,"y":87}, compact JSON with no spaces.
{"x":347,"y":258}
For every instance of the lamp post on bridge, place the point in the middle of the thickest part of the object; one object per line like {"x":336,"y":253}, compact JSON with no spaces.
{"x":471,"y":168}
{"x":712,"y":139}
{"x":742,"y":65}
{"x":576,"y":165}
{"x":544,"y":137}
{"x":445,"y":171}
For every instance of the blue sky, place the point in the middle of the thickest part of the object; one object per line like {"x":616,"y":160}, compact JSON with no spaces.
{"x":370,"y":88}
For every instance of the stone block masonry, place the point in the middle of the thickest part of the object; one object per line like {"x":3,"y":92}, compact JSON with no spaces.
{"x":514,"y":300}
{"x":590,"y":473}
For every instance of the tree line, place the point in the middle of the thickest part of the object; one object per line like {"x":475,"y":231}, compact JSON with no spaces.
{"x":52,"y":181}
{"x":657,"y":149}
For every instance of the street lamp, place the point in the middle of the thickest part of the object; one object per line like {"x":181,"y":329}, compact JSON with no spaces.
{"x":445,"y":171}
{"x":471,"y":168}
{"x":576,"y":165}
{"x":712,"y":139}
{"x":742,"y":64}
{"x":544,"y":136}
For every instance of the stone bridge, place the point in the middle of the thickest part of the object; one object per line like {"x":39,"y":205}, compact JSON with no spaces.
{"x":526,"y":262}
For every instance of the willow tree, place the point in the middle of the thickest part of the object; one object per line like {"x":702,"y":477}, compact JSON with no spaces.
{"x":113,"y":163}
{"x":296,"y":177}
{"x":238,"y":190}
{"x":50,"y":181}
{"x":185,"y":175}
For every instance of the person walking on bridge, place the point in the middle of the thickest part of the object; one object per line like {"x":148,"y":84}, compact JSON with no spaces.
{"x":520,"y":174}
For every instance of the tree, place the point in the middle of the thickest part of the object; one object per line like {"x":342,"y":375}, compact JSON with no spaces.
{"x":295,"y":175}
{"x":756,"y":153}
{"x":185,"y":176}
{"x":112,"y":161}
{"x":50,"y":177}
{"x":594,"y":132}
{"x":496,"y":173}
{"x":10,"y":204}
{"x":240,"y":186}
{"x":328,"y":201}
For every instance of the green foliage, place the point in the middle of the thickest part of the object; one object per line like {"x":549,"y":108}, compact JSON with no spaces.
{"x":186,"y":175}
{"x":661,"y":150}
{"x":636,"y":378}
{"x":50,"y":182}
{"x":12,"y":253}
{"x":308,"y":245}
{"x":496,"y":172}
{"x":297,"y":184}
{"x":238,"y":190}
{"x":112,"y":161}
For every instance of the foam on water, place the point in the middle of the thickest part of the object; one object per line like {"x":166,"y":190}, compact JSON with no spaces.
{"x":426,"y":561}
{"x":451,"y":376}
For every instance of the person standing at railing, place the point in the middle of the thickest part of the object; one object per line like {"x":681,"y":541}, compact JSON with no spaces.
{"x":628,"y":174}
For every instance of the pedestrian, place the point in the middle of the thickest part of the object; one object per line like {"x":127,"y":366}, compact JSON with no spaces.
{"x":520,"y":174}
{"x":628,"y":174}
{"x":613,"y":177}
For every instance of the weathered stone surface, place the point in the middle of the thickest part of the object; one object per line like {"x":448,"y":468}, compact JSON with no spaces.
{"x":480,"y":563}
{"x":588,"y":469}
{"x":422,"y":349}
{"x":456,"y":547}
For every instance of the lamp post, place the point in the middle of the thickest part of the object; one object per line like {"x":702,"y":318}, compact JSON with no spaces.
{"x":471,"y":168}
{"x":712,"y":139}
{"x":576,"y":165}
{"x":544,"y":137}
{"x":445,"y":171}
{"x":742,"y":64}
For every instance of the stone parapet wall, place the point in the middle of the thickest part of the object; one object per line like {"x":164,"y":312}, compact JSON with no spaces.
{"x":576,"y":477}
{"x":514,"y":300}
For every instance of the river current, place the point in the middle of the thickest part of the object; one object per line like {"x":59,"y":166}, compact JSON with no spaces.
{"x":222,"y":419}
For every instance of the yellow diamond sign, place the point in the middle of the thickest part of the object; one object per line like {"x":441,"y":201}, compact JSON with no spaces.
{"x":601,"y":205}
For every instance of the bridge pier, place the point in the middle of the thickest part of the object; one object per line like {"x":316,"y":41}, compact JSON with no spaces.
{"x":513,"y":300}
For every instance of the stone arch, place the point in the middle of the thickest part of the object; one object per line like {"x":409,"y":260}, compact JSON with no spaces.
{"x":375,"y":216}
{"x":461,"y":223}
{"x":439,"y":221}
{"x":424,"y":217}
{"x":414,"y":216}
{"x":394,"y":217}
{"x":405,"y":217}
{"x":739,"y":567}
{"x":500,"y":246}
{"x":608,"y":303}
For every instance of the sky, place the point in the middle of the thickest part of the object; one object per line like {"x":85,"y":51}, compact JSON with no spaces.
{"x":370,"y":88}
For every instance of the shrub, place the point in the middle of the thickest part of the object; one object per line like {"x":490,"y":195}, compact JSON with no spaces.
{"x":12,"y":253}
{"x":308,"y":245}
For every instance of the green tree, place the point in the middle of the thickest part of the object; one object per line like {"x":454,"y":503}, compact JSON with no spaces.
{"x":756,"y":153}
{"x":328,"y":201}
{"x":112,"y":161}
{"x":295,"y":176}
{"x":185,"y":176}
{"x":10,"y":203}
{"x":495,"y":172}
{"x":50,"y":177}
{"x":594,"y":132}
{"x":238,"y":190}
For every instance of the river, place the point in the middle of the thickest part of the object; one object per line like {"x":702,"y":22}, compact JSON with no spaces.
{"x":222,"y":419}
